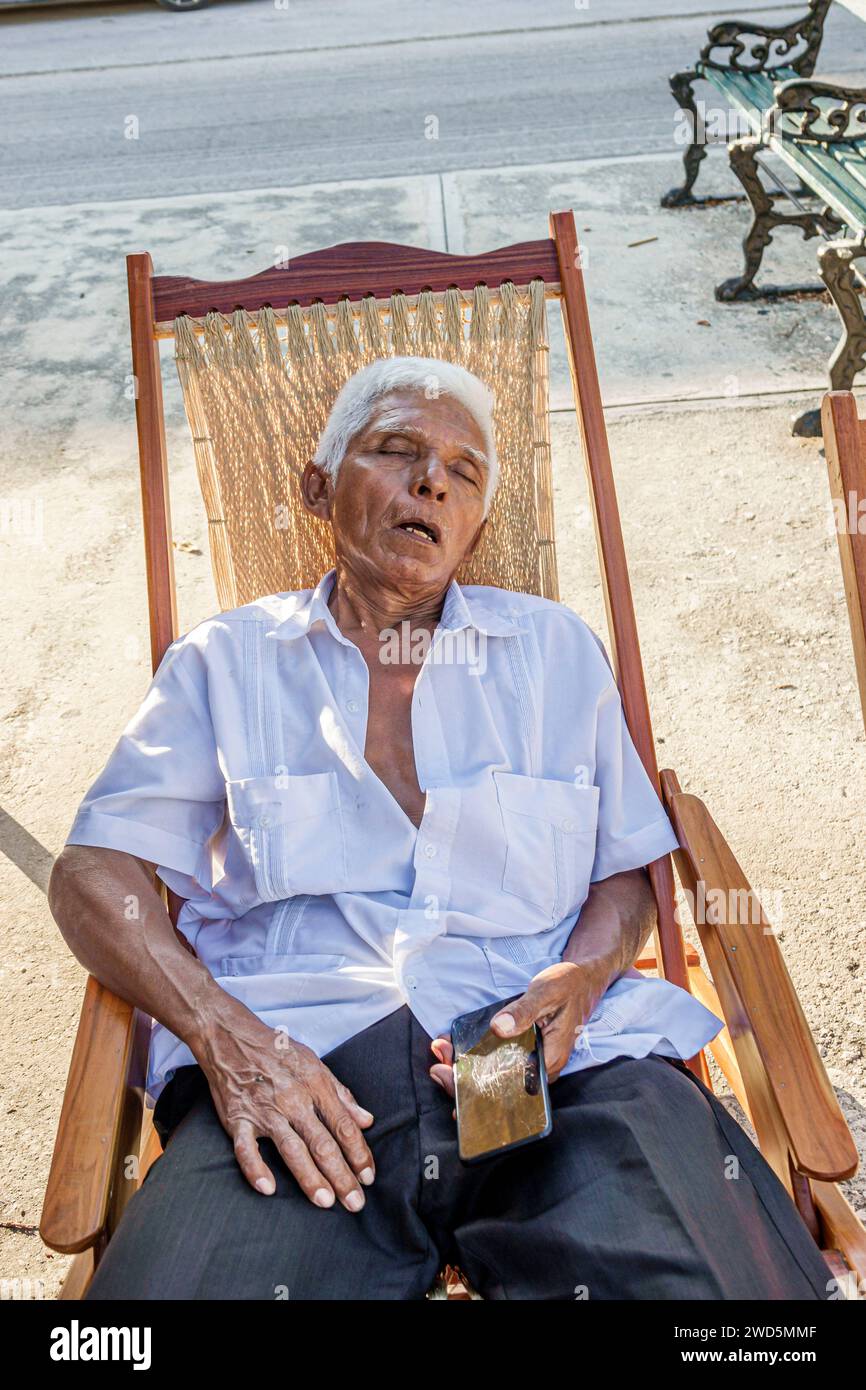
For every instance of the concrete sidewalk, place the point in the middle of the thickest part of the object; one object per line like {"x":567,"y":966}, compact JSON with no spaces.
{"x":735,"y":570}
{"x":650,"y":274}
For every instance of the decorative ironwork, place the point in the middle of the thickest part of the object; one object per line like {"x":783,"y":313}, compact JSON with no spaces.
{"x":805,"y":112}
{"x":765,"y":220}
{"x":836,"y":268}
{"x":684,"y":96}
{"x":829,"y":112}
{"x":767,"y":47}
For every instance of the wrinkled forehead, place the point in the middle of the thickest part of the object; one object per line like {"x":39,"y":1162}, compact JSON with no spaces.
{"x":414,"y":413}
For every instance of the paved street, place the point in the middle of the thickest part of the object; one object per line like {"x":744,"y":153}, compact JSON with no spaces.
{"x":245,"y":95}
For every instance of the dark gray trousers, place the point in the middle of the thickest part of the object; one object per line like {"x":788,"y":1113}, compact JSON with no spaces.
{"x":631,"y":1197}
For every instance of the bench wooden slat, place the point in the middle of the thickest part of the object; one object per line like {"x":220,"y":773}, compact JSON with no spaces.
{"x":852,"y":159}
{"x":827,"y":175}
{"x":750,"y":92}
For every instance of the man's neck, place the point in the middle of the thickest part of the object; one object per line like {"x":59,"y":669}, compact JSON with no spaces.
{"x":365,"y":610}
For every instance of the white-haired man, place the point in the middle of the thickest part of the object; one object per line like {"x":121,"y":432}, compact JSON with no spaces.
{"x":368,"y":848}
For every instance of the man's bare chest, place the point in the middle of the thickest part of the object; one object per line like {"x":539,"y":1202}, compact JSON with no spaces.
{"x":389,"y":747}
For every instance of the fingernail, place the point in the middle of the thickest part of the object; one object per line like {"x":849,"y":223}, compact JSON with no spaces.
{"x":366,"y":1175}
{"x":365,"y":1114}
{"x":505,"y":1023}
{"x":355,"y":1201}
{"x":323,"y":1198}
{"x":265,"y":1185}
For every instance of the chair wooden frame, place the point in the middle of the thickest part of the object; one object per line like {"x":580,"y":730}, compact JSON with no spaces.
{"x":766,"y":1050}
{"x":845,"y":447}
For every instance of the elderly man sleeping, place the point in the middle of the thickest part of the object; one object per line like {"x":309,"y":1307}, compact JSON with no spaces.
{"x":388,"y":801}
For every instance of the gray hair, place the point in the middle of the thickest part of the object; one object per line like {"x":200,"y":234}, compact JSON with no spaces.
{"x":354,"y":405}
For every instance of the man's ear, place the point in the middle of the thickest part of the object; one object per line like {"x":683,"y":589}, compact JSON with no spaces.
{"x":315,"y":491}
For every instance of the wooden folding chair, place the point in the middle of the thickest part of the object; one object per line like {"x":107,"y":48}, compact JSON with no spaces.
{"x":845,"y":447}
{"x":235,"y":337}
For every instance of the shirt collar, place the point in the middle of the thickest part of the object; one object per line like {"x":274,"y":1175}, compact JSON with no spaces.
{"x":313,"y":609}
{"x":458,"y":612}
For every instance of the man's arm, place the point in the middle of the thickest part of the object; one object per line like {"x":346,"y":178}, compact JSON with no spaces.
{"x":263,"y":1083}
{"x":614,"y":923}
{"x":116,"y":924}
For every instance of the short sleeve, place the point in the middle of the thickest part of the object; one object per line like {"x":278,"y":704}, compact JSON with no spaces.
{"x":161,"y":795}
{"x":633,"y":829}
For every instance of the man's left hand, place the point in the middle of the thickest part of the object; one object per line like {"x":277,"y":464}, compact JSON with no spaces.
{"x":559,"y":999}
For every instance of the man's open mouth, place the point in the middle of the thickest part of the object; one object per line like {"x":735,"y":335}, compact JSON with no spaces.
{"x":421,"y":530}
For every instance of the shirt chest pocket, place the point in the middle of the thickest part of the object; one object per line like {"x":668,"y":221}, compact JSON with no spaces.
{"x":292,"y":830}
{"x":550,"y":830}
{"x":514,"y":960}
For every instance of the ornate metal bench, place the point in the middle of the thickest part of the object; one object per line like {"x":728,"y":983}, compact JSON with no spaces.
{"x":818,"y":131}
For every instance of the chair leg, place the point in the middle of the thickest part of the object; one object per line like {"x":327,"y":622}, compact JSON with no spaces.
{"x":683,"y":94}
{"x":765,"y":219}
{"x":836,"y":268}
{"x":78,"y":1276}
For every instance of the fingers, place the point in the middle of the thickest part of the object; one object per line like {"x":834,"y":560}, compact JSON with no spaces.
{"x":320,"y":1142}
{"x":341,"y":1123}
{"x":296,"y":1154}
{"x":559,"y":1039}
{"x":250,"y":1161}
{"x":324,"y":1169}
{"x":443,"y":1049}
{"x":363,"y":1117}
{"x":520,"y":1014}
{"x":443,"y":1076}
{"x":442,"y":1071}
{"x":551,"y":1002}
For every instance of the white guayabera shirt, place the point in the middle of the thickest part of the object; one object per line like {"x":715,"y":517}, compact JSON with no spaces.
{"x":312,"y":897}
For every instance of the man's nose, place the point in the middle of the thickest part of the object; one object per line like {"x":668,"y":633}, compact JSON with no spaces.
{"x":431,"y":480}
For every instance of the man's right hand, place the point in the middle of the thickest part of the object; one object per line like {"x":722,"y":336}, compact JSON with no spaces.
{"x":267,"y":1086}
{"x":312,"y":1118}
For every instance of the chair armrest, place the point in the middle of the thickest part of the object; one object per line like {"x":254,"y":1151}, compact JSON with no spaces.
{"x":842,"y":121}
{"x":103,"y":1094}
{"x":793,"y":1104}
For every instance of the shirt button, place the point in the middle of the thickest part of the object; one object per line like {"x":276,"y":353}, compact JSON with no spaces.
{"x":352,"y":706}
{"x":264,"y":821}
{"x":567,"y":825}
{"x":430,"y":851}
{"x":411,"y":981}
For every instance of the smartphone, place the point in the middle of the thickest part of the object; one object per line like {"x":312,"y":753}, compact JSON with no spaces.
{"x":500,"y":1086}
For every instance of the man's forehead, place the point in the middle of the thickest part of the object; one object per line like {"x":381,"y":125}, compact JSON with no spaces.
{"x":408,"y":414}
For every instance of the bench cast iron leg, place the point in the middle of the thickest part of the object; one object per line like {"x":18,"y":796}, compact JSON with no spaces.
{"x":681,"y":87}
{"x":835,"y":266}
{"x":765,"y":219}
